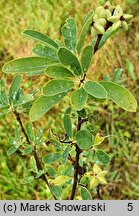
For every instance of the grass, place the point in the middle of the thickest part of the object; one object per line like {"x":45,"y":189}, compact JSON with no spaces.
{"x":48,"y":16}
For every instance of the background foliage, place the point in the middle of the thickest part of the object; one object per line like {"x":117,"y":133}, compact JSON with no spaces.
{"x":119,"y":52}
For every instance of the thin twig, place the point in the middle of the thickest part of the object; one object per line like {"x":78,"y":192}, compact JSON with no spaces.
{"x":39,"y":166}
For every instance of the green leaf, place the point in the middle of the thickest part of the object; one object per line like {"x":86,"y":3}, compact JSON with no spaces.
{"x":85,"y":27}
{"x":60,"y":180}
{"x":82,"y":113}
{"x":32,"y":65}
{"x":103,"y":157}
{"x":69,"y":32}
{"x":84,"y":139}
{"x":85,"y":194}
{"x":43,"y":105}
{"x":86,"y":58}
{"x":39,"y":174}
{"x":45,"y":51}
{"x":28,"y":180}
{"x":98,"y":139}
{"x":3,"y":95}
{"x":121,"y":96}
{"x":12,"y":150}
{"x":58,"y":71}
{"x":95,"y":89}
{"x":30,"y":131}
{"x":55,"y":87}
{"x":130,"y":70}
{"x":50,"y":158}
{"x":117,"y":75}
{"x":33,"y":165}
{"x":56,"y":143}
{"x":79,"y":99}
{"x":67,"y":58}
{"x":57,"y":191}
{"x":68,"y":125}
{"x":14,"y":88}
{"x":38,"y":36}
{"x":27,"y":150}
{"x":51,"y":171}
{"x":65,"y":154}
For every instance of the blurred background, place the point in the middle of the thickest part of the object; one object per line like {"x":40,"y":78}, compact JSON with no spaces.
{"x":121,"y":52}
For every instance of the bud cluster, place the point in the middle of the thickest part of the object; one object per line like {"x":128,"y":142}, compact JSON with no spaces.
{"x":109,"y":16}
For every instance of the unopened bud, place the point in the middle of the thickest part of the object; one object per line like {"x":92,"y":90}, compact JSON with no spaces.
{"x":99,"y":28}
{"x":113,"y":19}
{"x":118,"y":11}
{"x":124,"y":25}
{"x":116,"y":25}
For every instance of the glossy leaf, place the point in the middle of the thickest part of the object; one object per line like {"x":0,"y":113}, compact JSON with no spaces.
{"x":85,"y":194}
{"x":68,"y":125}
{"x":32,"y":65}
{"x":84,"y":139}
{"x":12,"y":150}
{"x":95,"y":89}
{"x":67,"y":58}
{"x":3,"y":95}
{"x":30,"y":131}
{"x":38,"y":36}
{"x":86,"y":58}
{"x":103,"y":157}
{"x":121,"y":96}
{"x":13,"y":141}
{"x":45,"y":51}
{"x":65,"y":154}
{"x":69,"y":32}
{"x":15,"y":85}
{"x":57,"y":71}
{"x":85,"y":27}
{"x":79,"y":99}
{"x":57,"y":191}
{"x":51,"y":158}
{"x":82,"y":113}
{"x":43,"y":105}
{"x":55,"y":87}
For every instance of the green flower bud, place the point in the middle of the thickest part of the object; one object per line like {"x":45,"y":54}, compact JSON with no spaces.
{"x":102,"y":13}
{"x":98,"y":9}
{"x":108,"y":13}
{"x":111,"y":8}
{"x":127,"y":16}
{"x":118,"y":11}
{"x":94,"y":32}
{"x":124,"y":25}
{"x":95,"y":17}
{"x":99,"y":28}
{"x":101,"y":21}
{"x":107,"y":4}
{"x":116,"y":25}
{"x":113,"y":19}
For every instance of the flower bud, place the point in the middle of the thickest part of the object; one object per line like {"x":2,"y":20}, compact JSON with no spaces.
{"x":98,"y":9}
{"x":95,"y":17}
{"x":113,"y":19}
{"x":101,"y":21}
{"x":127,"y":16}
{"x":94,"y":32}
{"x":108,"y":13}
{"x":118,"y":11}
{"x":116,"y":25}
{"x":102,"y":13}
{"x":99,"y":28}
{"x":124,"y":25}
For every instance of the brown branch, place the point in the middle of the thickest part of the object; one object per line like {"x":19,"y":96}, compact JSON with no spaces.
{"x":98,"y":192}
{"x":39,"y":166}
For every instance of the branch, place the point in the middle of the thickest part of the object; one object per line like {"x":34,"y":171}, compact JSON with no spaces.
{"x":39,"y":166}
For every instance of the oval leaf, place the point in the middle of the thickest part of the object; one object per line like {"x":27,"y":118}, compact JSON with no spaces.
{"x":12,"y":150}
{"x":85,"y":194}
{"x":69,"y":32}
{"x":65,"y":154}
{"x":15,"y":87}
{"x":68,"y":59}
{"x":50,"y":158}
{"x":27,"y":65}
{"x":95,"y":89}
{"x":43,"y":105}
{"x":55,"y":87}
{"x":121,"y":96}
{"x":60,"y":180}
{"x":57,"y":71}
{"x":84,"y":139}
{"x":87,"y":22}
{"x":103,"y":157}
{"x":57,"y":191}
{"x":38,"y":36}
{"x":30,"y":131}
{"x":68,"y":125}
{"x":86,"y":58}
{"x":45,"y":51}
{"x":78,"y":99}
